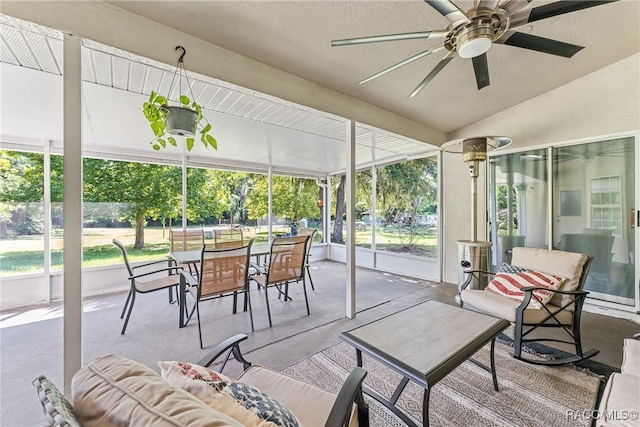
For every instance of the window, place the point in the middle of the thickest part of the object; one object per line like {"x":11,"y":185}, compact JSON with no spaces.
{"x":606,"y":204}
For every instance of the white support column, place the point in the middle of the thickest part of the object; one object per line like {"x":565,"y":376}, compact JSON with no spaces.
{"x":184,"y":191}
{"x":373,"y":215}
{"x":351,"y":215}
{"x":47,"y":216}
{"x":327,"y":216}
{"x":270,"y":203}
{"x":72,"y":123}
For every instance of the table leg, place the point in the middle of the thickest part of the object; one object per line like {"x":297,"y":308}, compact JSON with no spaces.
{"x":181,"y":301}
{"x":493,"y":365}
{"x":425,"y":407}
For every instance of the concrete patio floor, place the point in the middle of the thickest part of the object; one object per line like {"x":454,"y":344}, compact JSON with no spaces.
{"x":31,"y":337}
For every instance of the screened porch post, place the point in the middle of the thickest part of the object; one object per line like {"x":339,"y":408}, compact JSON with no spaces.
{"x":184,"y":190}
{"x":270,"y":203}
{"x":351,"y":214}
{"x":72,"y":134}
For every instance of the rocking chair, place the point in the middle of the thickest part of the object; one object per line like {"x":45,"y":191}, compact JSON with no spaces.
{"x":533,"y":307}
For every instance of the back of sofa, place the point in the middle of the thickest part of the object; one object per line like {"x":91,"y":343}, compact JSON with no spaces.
{"x":115,"y":391}
{"x":569,"y":265}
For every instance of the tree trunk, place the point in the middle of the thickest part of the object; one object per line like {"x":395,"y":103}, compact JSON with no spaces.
{"x":337,"y":228}
{"x":139,"y":244}
{"x":321,"y":206}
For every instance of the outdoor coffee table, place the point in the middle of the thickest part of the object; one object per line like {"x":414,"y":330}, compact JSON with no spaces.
{"x":424,"y":343}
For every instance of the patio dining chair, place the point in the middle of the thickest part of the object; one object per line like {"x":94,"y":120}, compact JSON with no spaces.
{"x":186,"y":240}
{"x":146,"y":277}
{"x":223,"y":236}
{"x":311,"y":233}
{"x":540,"y":289}
{"x":286,"y":264}
{"x":223,"y":272}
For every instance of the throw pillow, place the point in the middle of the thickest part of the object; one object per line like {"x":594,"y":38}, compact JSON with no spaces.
{"x":508,"y":268}
{"x":245,"y":403}
{"x":510,"y":285}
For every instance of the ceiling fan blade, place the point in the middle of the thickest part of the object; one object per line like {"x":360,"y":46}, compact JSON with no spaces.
{"x":390,"y":38}
{"x":449,"y":11}
{"x":402,"y":63}
{"x":481,"y":68}
{"x":553,"y":9}
{"x":487,"y":5}
{"x":433,"y":73}
{"x":540,"y":44}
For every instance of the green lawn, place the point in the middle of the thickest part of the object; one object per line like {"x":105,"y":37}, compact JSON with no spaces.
{"x":26,"y":255}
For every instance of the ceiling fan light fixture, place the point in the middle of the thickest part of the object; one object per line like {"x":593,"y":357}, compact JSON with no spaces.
{"x":474,"y":47}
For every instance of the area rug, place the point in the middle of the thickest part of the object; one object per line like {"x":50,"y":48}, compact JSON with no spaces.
{"x":530,"y":395}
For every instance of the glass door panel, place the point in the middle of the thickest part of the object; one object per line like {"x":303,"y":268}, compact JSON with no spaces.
{"x":518,"y":203}
{"x":593,"y":191}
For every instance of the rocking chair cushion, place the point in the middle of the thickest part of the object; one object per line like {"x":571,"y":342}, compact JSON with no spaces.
{"x":510,"y":285}
{"x":505,"y":308}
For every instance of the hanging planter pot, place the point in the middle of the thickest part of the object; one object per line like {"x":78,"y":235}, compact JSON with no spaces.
{"x":181,"y":121}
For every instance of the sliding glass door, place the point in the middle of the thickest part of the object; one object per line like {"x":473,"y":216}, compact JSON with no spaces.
{"x":593,"y":193}
{"x":581,"y":201}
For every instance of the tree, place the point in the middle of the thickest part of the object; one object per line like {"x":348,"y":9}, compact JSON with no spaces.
{"x":336,"y":237}
{"x":403,"y":187}
{"x":292,"y":198}
{"x":149,"y":190}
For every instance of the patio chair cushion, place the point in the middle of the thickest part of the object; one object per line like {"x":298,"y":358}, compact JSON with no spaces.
{"x":244,"y":402}
{"x":505,"y":308}
{"x":115,"y":391}
{"x":559,"y":263}
{"x":510,"y":285}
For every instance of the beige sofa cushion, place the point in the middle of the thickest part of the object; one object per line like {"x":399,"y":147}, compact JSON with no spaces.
{"x":244,"y":402}
{"x":619,"y":399}
{"x":559,"y":263}
{"x":115,"y":391}
{"x":631,"y":358}
{"x":310,"y":404}
{"x":505,"y":308}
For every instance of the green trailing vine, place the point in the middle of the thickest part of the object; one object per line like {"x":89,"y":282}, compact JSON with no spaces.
{"x":156,"y":112}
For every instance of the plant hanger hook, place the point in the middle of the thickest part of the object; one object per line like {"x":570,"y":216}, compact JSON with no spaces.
{"x":184,"y":52}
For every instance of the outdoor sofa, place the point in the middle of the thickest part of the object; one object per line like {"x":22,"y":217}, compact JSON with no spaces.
{"x":115,"y":391}
{"x":620,"y":403}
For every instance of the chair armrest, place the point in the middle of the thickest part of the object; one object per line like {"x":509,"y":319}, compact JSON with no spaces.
{"x":146,"y":264}
{"x":191,"y":281}
{"x":350,"y":393}
{"x":260,"y":268}
{"x":470,"y":274}
{"x":136,"y":276}
{"x":230,"y":345}
{"x":528,"y":293}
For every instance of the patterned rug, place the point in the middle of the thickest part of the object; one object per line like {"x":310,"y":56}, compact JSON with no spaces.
{"x":529,"y":395}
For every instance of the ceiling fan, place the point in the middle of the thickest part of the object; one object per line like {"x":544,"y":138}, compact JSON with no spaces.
{"x":470,"y":34}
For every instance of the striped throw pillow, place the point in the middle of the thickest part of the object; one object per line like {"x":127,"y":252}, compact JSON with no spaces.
{"x":510,"y":284}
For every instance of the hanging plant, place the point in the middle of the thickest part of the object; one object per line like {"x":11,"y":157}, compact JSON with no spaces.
{"x":184,"y":120}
